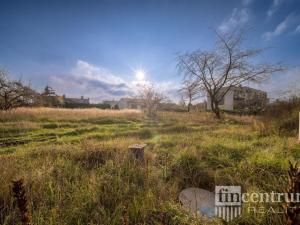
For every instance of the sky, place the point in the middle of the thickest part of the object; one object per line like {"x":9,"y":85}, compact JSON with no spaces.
{"x":104,"y":49}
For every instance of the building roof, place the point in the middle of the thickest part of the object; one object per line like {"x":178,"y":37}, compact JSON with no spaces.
{"x":131,"y":100}
{"x":81,"y":100}
{"x":248,"y":88}
{"x":111,"y":102}
{"x":244,"y":88}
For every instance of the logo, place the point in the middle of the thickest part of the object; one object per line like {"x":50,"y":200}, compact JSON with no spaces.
{"x":228,"y":202}
{"x":229,"y":199}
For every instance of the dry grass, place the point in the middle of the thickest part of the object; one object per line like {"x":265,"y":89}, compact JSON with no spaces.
{"x":190,"y":118}
{"x":76,"y":168}
{"x":63,"y":114}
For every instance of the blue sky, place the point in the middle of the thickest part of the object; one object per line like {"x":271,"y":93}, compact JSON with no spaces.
{"x":94,"y":48}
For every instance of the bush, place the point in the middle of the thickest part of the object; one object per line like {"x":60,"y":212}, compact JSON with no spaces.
{"x":145,"y":133}
{"x":282,"y":116}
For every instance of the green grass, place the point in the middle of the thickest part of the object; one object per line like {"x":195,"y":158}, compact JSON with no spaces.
{"x":76,"y":167}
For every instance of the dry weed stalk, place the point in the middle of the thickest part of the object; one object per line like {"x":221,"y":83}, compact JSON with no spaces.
{"x":21,"y":201}
{"x":292,"y":208}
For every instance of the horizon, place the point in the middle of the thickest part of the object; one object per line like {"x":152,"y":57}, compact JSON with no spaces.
{"x":104,"y":50}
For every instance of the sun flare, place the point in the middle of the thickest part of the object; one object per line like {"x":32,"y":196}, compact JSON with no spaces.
{"x":140,"y":75}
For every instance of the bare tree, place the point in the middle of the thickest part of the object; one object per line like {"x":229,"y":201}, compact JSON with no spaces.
{"x":151,"y":99}
{"x":190,"y":91}
{"x":223,"y":67}
{"x":14,"y":93}
{"x":182,"y":101}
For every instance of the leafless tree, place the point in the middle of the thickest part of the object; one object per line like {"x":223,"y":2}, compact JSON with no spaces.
{"x":14,"y":93}
{"x":228,"y":64}
{"x":182,"y":101}
{"x":151,"y":99}
{"x":190,"y":91}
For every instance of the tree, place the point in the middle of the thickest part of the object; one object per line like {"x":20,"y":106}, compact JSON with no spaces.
{"x":190,"y":92}
{"x":151,"y":99}
{"x":228,"y":64}
{"x":14,"y":93}
{"x":181,"y":102}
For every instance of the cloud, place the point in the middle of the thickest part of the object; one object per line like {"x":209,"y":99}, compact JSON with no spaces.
{"x":247,"y":2}
{"x":297,"y":30}
{"x":99,"y":83}
{"x":284,"y":84}
{"x":169,"y":88}
{"x":274,"y":7}
{"x":237,"y":18}
{"x":281,"y":27}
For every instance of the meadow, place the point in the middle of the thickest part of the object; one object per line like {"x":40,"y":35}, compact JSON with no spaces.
{"x":76,"y":168}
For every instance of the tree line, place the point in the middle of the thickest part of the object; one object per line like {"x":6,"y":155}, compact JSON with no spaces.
{"x":17,"y":93}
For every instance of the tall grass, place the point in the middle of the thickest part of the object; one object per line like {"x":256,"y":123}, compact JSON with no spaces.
{"x":76,"y":169}
{"x":63,"y":114}
{"x":282,"y":116}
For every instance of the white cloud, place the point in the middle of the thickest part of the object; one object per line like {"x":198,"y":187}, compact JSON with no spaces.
{"x":297,"y":30}
{"x":99,"y":83}
{"x":91,"y":72}
{"x":281,"y":28}
{"x":284,"y":84}
{"x":237,"y":18}
{"x":92,"y":81}
{"x":247,"y":2}
{"x":274,"y":7}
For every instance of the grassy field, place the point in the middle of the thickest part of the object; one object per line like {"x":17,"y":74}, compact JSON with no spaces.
{"x":76,"y":168}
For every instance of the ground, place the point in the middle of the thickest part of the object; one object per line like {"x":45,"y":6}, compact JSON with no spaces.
{"x":76,"y":169}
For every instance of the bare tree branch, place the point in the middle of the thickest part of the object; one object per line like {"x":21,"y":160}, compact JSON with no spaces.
{"x":225,"y":66}
{"x":14,"y":93}
{"x":151,"y":99}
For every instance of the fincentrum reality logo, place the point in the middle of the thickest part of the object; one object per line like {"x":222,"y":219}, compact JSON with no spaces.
{"x":228,"y":202}
{"x":229,"y":199}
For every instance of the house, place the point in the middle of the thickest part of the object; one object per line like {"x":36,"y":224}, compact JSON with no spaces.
{"x":113,"y":104}
{"x":125,"y":103}
{"x":75,"y":101}
{"x":242,"y":99}
{"x":130,"y":103}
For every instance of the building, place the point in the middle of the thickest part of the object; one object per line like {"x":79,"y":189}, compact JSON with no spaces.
{"x":75,"y":101}
{"x":130,"y":103}
{"x":242,"y":99}
{"x":125,"y":103}
{"x":113,"y":104}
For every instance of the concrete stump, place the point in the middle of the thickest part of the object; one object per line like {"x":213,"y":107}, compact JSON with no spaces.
{"x":198,"y":201}
{"x":137,"y":151}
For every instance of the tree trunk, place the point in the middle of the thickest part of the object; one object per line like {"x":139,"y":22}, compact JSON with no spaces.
{"x":217,"y":112}
{"x":6,"y":105}
{"x":190,"y":103}
{"x":216,"y":109}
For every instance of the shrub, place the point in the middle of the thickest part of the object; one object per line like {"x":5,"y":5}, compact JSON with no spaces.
{"x":282,"y":116}
{"x":145,"y":134}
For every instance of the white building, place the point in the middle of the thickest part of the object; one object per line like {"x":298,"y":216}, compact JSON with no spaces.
{"x":130,"y":103}
{"x":125,"y":103}
{"x":240,"y":98}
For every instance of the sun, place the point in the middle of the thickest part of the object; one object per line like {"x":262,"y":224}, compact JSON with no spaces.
{"x":140,"y":74}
